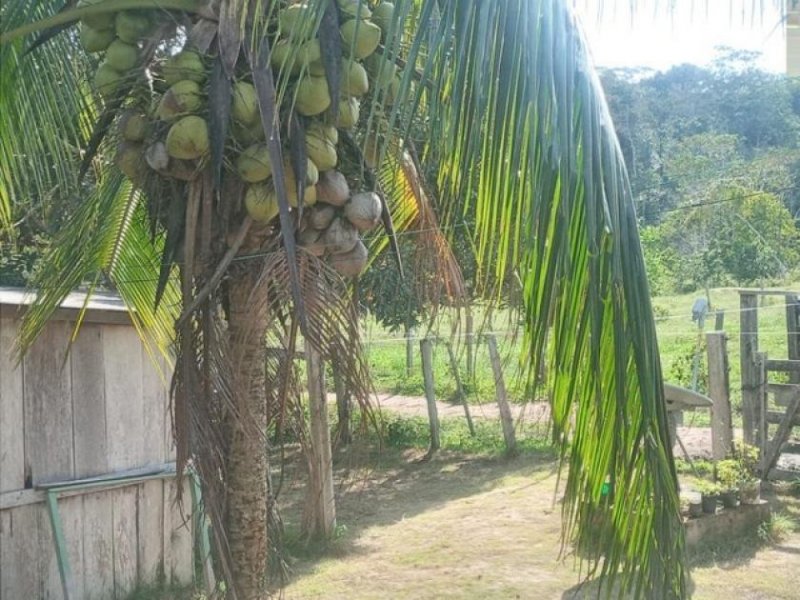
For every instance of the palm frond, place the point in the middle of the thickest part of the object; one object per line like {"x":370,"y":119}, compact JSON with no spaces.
{"x":523,"y":141}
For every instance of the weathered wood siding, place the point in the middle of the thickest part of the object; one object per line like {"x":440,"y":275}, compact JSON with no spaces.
{"x":100,"y":408}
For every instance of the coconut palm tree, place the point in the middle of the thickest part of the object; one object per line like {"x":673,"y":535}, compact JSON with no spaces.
{"x":489,"y":108}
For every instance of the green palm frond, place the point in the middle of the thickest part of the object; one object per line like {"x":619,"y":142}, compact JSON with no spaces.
{"x":522,"y":139}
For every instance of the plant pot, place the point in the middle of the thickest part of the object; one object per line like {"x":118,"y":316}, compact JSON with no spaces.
{"x":695,"y":510}
{"x":709,"y":504}
{"x":729,"y":498}
{"x":750,"y":492}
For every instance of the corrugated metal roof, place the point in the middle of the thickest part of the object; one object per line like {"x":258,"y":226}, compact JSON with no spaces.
{"x":99,"y":300}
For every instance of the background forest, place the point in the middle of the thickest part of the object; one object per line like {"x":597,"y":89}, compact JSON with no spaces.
{"x":714,"y":160}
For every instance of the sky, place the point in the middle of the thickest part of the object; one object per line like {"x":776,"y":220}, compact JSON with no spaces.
{"x":658,"y":39}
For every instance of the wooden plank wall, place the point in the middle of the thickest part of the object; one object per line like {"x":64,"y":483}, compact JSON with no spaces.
{"x":101,"y":408}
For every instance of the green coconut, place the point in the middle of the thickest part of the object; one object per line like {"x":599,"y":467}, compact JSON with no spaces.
{"x":312,"y":173}
{"x":320,"y":129}
{"x":95,"y":40}
{"x":364,"y":210}
{"x":287,"y":55}
{"x":185,"y":65}
{"x":130,"y":160}
{"x":355,"y":9}
{"x":310,"y":52}
{"x":313,"y":96}
{"x":321,"y":151}
{"x":382,"y":16}
{"x":247,"y":135}
{"x":107,"y":80}
{"x":183,"y":98}
{"x":349,"y":111}
{"x":360,"y":38}
{"x":310,"y":195}
{"x":352,"y":263}
{"x":131,"y":27}
{"x":188,"y":138}
{"x":261,"y":202}
{"x":316,"y":68}
{"x":354,"y":78}
{"x":253,"y":164}
{"x":381,"y":70}
{"x":296,"y":21}
{"x":133,"y":126}
{"x":332,"y":188}
{"x":122,"y":56}
{"x":244,"y":107}
{"x":101,"y":21}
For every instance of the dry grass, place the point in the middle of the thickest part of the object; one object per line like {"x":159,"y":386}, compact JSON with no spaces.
{"x":461,"y":527}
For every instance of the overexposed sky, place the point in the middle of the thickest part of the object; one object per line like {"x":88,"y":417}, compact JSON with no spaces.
{"x":658,"y":37}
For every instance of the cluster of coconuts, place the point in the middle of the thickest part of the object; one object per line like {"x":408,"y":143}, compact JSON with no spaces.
{"x":171,"y":136}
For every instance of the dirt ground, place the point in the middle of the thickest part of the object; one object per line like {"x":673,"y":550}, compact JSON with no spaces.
{"x":461,"y":527}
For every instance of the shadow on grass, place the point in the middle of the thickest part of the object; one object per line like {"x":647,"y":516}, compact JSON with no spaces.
{"x":380,"y":488}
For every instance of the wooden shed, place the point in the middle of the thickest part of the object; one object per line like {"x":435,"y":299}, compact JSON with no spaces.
{"x":87,"y":488}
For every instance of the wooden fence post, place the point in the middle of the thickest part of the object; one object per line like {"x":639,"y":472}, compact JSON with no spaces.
{"x":320,"y":519}
{"x":462,"y":397}
{"x":748,"y":336}
{"x":761,"y":436}
{"x":409,"y":350}
{"x":719,"y":320}
{"x":506,"y":419}
{"x":719,"y":392}
{"x":793,"y":332}
{"x":426,"y":349}
{"x":470,"y":342}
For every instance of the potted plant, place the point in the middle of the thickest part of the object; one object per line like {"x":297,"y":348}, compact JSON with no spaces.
{"x":749,"y":483}
{"x":695,"y":508}
{"x":729,"y":477}
{"x":709,"y":495}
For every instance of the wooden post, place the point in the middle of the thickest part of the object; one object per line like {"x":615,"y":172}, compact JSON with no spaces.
{"x":748,"y":336}
{"x":409,"y":349}
{"x":462,"y":397}
{"x":320,"y":520}
{"x":762,"y":433}
{"x":426,"y":349}
{"x":793,"y":332}
{"x":343,"y":432}
{"x":719,"y":320}
{"x":719,"y":392}
{"x":470,"y":342}
{"x":502,"y":399}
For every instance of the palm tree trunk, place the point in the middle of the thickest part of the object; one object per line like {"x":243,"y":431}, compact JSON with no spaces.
{"x":247,"y":457}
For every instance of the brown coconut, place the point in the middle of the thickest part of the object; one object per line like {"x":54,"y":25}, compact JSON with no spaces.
{"x":364,"y":210}
{"x":332,"y":188}
{"x":133,"y":126}
{"x":340,"y":236}
{"x":310,"y":240}
{"x":352,"y":263}
{"x":321,"y":216}
{"x":130,"y":160}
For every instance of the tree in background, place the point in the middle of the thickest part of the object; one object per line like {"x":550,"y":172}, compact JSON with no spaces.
{"x":516,"y":132}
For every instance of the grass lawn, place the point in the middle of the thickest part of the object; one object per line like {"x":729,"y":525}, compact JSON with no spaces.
{"x":467,"y":526}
